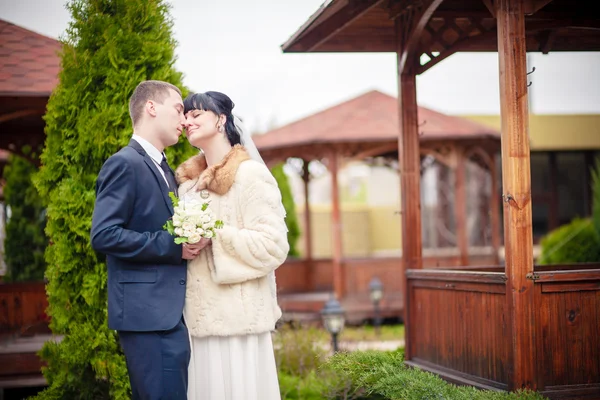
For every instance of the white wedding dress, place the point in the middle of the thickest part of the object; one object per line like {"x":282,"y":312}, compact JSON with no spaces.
{"x":233,"y":368}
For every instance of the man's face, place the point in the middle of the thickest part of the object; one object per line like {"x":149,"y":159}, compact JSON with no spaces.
{"x":169,"y":118}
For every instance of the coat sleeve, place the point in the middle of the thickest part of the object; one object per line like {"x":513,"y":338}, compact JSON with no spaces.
{"x":261,"y":245}
{"x":115,"y":199}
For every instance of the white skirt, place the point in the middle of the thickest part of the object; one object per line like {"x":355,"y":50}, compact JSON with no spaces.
{"x":233,"y":368}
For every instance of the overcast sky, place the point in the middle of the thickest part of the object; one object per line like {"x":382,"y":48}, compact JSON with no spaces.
{"x":233,"y":46}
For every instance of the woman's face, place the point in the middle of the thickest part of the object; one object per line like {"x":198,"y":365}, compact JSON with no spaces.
{"x":201,"y":125}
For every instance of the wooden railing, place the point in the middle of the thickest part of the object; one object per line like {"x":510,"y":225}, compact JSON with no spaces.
{"x":459,"y":327}
{"x":23,"y":308}
{"x":567,"y":329}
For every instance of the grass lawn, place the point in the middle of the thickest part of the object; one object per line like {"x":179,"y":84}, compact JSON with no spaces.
{"x":364,"y":333}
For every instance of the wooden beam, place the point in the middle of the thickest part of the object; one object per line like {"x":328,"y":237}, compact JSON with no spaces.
{"x":336,"y":228}
{"x":20,"y":114}
{"x":530,"y":7}
{"x":495,"y":210}
{"x":375,"y":151}
{"x":547,"y":40}
{"x":516,"y":178}
{"x":408,"y":32}
{"x":460,"y":207}
{"x":334,"y":24}
{"x":489,"y":4}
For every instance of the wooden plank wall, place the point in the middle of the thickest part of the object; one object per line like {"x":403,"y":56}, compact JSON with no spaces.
{"x":23,"y":308}
{"x":459,"y":325}
{"x":568,"y":332}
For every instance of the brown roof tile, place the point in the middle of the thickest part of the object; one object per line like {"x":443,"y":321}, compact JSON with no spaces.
{"x":371,"y":117}
{"x":29,"y":62}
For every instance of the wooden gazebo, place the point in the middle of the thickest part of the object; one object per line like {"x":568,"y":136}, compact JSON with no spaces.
{"x":503,"y":327}
{"x":367,"y":127}
{"x":29,"y":67}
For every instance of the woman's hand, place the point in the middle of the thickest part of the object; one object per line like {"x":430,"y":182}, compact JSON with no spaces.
{"x":191,"y":250}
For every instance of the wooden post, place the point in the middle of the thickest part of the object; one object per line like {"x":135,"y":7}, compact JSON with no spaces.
{"x":495,"y":211}
{"x":336,"y":230}
{"x":307,"y":227}
{"x":410,"y":183}
{"x":460,"y":207}
{"x":516,"y":178}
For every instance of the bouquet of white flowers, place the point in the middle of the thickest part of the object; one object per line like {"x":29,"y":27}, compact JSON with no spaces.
{"x":192,"y":221}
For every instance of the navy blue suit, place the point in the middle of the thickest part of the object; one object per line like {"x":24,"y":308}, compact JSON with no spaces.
{"x":146,"y":273}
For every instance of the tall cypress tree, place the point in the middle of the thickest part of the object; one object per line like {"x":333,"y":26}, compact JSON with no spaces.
{"x":109,"y":47}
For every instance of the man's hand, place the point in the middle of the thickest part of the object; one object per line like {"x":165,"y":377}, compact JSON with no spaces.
{"x":191,"y":251}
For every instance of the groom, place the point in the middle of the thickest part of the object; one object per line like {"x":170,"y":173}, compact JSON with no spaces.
{"x":146,"y":269}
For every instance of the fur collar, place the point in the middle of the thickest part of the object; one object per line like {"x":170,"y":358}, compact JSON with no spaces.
{"x":219,"y":177}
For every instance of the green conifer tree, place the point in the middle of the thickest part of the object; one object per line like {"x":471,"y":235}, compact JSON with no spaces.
{"x":109,"y":47}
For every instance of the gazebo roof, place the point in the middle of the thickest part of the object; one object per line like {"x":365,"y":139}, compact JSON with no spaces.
{"x":367,"y":121}
{"x":29,"y":62}
{"x":452,"y":26}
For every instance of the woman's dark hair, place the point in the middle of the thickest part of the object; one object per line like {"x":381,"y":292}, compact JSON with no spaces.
{"x":219,"y":103}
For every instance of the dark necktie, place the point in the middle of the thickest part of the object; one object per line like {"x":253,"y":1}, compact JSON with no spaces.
{"x":172,"y":183}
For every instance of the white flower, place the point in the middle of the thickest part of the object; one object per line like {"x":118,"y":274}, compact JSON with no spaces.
{"x":206,"y":218}
{"x":208,"y":234}
{"x":188,"y":226}
{"x":194,"y":237}
{"x":179,"y":231}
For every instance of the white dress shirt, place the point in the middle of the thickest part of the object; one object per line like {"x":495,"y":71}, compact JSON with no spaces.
{"x":153,"y":152}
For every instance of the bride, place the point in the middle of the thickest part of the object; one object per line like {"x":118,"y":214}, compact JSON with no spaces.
{"x":230,"y":304}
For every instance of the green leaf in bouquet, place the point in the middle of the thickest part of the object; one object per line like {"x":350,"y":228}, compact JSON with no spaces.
{"x":218,"y":224}
{"x":174,"y":199}
{"x":204,"y":206}
{"x":180,"y":240}
{"x":169,"y":227}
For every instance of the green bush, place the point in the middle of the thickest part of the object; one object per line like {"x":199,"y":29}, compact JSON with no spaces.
{"x":579,"y":240}
{"x":576,"y":242}
{"x":300,"y":352}
{"x":291,"y":219}
{"x":110,"y":46}
{"x":25,"y":241}
{"x":380,"y":374}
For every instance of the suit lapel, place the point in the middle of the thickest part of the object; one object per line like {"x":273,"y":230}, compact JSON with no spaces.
{"x":164,"y":189}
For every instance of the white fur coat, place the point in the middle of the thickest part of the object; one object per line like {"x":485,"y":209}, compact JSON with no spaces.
{"x":231,"y":284}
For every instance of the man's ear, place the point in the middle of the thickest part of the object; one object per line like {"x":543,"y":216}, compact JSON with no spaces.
{"x":151,"y":108}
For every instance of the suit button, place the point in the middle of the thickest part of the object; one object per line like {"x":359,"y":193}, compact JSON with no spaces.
{"x":182,"y":282}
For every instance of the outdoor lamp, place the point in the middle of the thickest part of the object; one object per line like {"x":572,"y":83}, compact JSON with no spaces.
{"x":333,"y":320}
{"x":376,"y":292}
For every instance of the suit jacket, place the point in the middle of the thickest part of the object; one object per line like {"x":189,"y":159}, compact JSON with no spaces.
{"x":146,"y":274}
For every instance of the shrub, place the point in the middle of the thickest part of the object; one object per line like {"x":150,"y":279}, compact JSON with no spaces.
{"x":110,"y":46}
{"x":25,"y":241}
{"x":576,"y":242}
{"x":384,"y":375}
{"x":291,"y":219}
